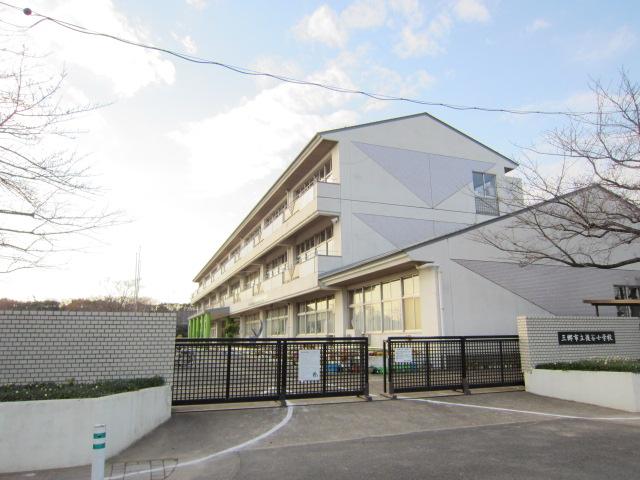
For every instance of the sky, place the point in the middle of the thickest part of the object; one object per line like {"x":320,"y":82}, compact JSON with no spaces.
{"x":185,"y":150}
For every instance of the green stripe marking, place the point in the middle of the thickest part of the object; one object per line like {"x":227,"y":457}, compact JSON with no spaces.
{"x":98,"y":446}
{"x":100,"y":435}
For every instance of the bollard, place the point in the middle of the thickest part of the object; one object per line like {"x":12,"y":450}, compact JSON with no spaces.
{"x":99,"y":448}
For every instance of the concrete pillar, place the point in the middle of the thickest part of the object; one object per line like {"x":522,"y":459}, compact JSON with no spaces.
{"x":262,"y":315}
{"x":341,"y":312}
{"x":430,"y":307}
{"x":292,"y":324}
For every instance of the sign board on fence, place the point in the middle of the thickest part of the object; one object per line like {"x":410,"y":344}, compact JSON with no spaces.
{"x":586,"y":338}
{"x":403,"y":355}
{"x":308,"y":365}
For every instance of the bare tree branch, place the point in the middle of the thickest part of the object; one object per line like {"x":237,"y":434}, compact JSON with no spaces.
{"x":45,"y":193}
{"x":587,"y":213}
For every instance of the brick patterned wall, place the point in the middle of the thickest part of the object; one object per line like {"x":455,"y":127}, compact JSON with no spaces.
{"x":539,"y":339}
{"x":37,"y":346}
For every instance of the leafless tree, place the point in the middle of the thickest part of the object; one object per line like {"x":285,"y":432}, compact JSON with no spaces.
{"x":586,"y":213}
{"x":46,"y":199}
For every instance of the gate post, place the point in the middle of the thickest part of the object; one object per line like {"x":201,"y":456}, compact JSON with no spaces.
{"x":463,"y":366}
{"x":392,"y":393}
{"x":364,"y":354}
{"x":228,"y":386}
{"x":282,"y":381}
{"x":384,"y":366}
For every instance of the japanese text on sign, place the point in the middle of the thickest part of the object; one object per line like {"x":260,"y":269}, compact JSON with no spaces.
{"x":585,"y":338}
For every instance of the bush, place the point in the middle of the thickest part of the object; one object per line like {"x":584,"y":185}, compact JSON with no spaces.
{"x":597,"y":365}
{"x":55,"y":391}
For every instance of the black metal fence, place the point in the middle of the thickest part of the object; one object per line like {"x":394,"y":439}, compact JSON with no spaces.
{"x":440,"y":363}
{"x":215,"y":370}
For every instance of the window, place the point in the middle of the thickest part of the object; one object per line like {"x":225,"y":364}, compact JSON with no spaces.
{"x":252,"y":325}
{"x":486,"y":193}
{"x":277,"y":321}
{"x":253,"y":238}
{"x":320,"y":175}
{"x":275,"y":214}
{"x":252,"y":279}
{"x":276,"y":266}
{"x":627,"y":292}
{"x":235,"y":254}
{"x":387,"y":306}
{"x":316,"y":316}
{"x":316,"y":244}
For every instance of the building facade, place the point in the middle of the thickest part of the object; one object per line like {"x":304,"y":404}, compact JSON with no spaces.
{"x":369,"y":232}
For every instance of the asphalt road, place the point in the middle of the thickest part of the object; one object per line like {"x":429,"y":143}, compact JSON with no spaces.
{"x":511,"y":435}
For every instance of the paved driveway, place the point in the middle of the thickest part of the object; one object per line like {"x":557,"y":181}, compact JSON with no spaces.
{"x":481,"y":436}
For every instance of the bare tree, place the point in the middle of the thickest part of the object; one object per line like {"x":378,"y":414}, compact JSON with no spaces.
{"x":45,"y":194}
{"x":587,"y":212}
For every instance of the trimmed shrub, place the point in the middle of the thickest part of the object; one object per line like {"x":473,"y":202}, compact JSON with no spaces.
{"x":596,"y":365}
{"x":70,"y":389}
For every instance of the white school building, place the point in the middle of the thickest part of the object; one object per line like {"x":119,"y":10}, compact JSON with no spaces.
{"x":372,"y":230}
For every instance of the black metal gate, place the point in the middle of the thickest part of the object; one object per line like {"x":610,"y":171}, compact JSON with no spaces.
{"x":439,"y":363}
{"x":215,"y":370}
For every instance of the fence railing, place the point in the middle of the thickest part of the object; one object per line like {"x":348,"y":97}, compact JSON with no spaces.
{"x":440,"y":363}
{"x":217,"y":370}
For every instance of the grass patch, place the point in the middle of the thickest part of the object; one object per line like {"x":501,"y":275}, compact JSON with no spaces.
{"x":597,"y":365}
{"x":70,"y":389}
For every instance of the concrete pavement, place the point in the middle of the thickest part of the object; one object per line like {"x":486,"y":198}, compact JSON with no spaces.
{"x":483,"y":436}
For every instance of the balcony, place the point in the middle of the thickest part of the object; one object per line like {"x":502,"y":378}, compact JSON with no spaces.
{"x":320,"y":199}
{"x":300,"y":278}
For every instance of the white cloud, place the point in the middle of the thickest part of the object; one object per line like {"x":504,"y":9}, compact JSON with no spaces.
{"x":596,"y":47}
{"x":427,"y":41}
{"x":231,"y":149}
{"x":127,"y":68}
{"x":538,"y":24}
{"x":471,"y":11}
{"x":326,"y":26}
{"x":197,"y":4}
{"x":388,"y":81}
{"x":364,"y":14}
{"x":187,"y":43}
{"x":410,"y":9}
{"x":322,"y":26}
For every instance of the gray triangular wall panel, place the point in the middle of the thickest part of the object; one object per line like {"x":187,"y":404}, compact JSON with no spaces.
{"x":409,"y":167}
{"x":432,"y":178}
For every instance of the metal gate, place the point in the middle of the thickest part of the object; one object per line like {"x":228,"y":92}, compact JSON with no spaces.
{"x":440,"y":363}
{"x":215,"y":370}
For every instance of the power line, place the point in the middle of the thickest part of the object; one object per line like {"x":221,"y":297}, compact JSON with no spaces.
{"x":283,"y":78}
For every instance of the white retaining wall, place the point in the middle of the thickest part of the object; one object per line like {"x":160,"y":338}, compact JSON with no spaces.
{"x":47,"y":434}
{"x":619,"y":390}
{"x":539,"y":339}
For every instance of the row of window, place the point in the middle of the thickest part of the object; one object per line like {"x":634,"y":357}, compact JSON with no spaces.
{"x":316,"y":316}
{"x":307,"y":248}
{"x":387,"y":306}
{"x":320,"y":175}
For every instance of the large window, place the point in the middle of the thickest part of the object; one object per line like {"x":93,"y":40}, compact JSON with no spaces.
{"x":486,"y":193}
{"x":253,"y":238}
{"x":628,"y":292}
{"x":252,"y":279}
{"x":316,"y":316}
{"x":320,"y":175}
{"x":385,"y":307}
{"x":277,"y":321}
{"x":316,"y":244}
{"x":252,"y":325}
{"x":276,"y":266}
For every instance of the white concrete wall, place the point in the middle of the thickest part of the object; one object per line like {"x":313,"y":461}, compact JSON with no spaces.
{"x":619,"y":390}
{"x":48,"y":434}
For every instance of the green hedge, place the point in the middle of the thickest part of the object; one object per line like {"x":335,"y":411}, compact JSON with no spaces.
{"x":54,"y":391}
{"x":597,"y":365}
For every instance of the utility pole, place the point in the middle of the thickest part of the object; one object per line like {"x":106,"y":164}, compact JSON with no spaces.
{"x":136,"y":281}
